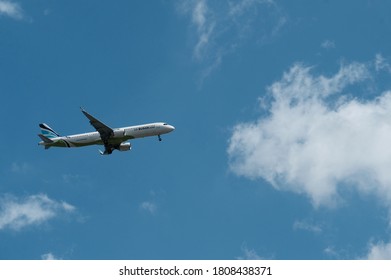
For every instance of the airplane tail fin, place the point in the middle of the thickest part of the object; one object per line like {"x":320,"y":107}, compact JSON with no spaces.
{"x":47,"y":132}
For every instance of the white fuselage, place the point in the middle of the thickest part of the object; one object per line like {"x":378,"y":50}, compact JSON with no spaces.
{"x":120,"y":135}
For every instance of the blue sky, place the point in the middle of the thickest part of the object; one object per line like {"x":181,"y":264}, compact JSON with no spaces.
{"x":281,"y":150}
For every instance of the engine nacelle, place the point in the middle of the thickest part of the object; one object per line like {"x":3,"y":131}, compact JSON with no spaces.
{"x":125,"y":146}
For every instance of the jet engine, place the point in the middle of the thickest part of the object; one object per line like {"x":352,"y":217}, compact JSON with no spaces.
{"x":126,"y":146}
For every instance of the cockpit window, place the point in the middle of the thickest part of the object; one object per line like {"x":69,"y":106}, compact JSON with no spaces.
{"x":165,"y":124}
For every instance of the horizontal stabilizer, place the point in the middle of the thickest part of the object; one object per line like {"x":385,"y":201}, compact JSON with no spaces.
{"x":45,"y":139}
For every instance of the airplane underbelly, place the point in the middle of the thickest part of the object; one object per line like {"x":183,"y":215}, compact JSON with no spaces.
{"x":140,"y":133}
{"x":83,"y":140}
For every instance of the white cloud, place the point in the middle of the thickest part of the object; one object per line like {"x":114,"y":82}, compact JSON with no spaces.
{"x":49,"y":256}
{"x":17,"y":213}
{"x":148,"y":206}
{"x":67,"y":207}
{"x":154,"y":202}
{"x":380,"y":251}
{"x":317,"y":140}
{"x":304,"y":225}
{"x":11,"y":9}
{"x":314,"y":142}
{"x":331,"y":252}
{"x":248,"y":254}
{"x":381,"y":64}
{"x":328,"y":44}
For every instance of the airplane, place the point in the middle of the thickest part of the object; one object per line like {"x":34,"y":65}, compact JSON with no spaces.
{"x":112,"y":139}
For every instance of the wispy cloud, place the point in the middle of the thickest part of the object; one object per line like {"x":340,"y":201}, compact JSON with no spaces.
{"x":333,"y":253}
{"x":330,"y":251}
{"x":154,"y":202}
{"x":49,"y":256}
{"x":376,"y":251}
{"x":248,"y":254}
{"x":17,"y":213}
{"x":11,"y":9}
{"x":219,"y":28}
{"x":382,"y":64}
{"x":203,"y":20}
{"x":328,"y":44}
{"x":149,"y":207}
{"x":238,"y":8}
{"x":307,"y":226}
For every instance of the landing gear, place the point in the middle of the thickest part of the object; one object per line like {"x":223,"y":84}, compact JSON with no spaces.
{"x":160,"y":138}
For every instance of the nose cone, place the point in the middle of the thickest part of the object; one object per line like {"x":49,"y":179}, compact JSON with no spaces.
{"x":171,"y":128}
{"x":166,"y":128}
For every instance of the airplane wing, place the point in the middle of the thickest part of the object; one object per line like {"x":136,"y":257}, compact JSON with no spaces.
{"x":105,"y":131}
